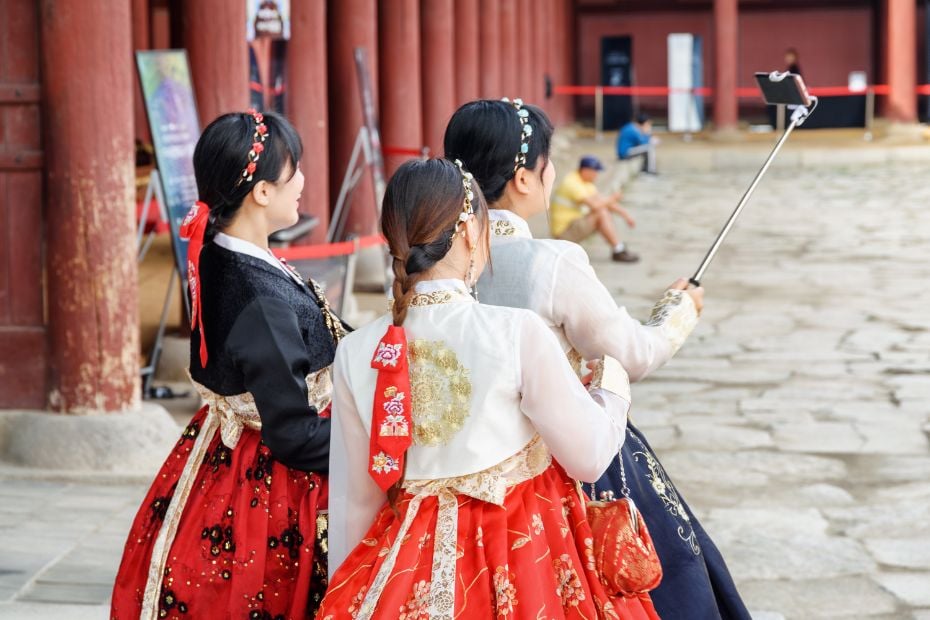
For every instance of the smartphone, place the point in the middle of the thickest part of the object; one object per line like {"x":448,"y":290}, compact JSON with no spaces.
{"x":790,"y":90}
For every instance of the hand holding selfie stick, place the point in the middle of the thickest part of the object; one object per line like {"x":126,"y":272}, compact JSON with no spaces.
{"x":777,"y":88}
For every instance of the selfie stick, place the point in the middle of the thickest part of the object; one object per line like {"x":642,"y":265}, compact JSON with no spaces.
{"x":798,"y":117}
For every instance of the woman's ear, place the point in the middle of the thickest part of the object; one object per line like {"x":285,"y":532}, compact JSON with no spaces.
{"x":522,"y":181}
{"x":472,"y":232}
{"x":261,"y":193}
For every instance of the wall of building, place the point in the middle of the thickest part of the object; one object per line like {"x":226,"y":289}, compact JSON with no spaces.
{"x":831,"y":42}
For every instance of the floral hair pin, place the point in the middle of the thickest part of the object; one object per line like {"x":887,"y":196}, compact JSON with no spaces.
{"x":467,"y":208}
{"x":258,"y":146}
{"x":526,"y":130}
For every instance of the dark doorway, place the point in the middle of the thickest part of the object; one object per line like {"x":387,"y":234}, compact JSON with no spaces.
{"x":617,"y":70}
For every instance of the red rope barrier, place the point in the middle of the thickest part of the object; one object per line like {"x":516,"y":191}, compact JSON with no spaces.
{"x":746,"y":92}
{"x":328,"y":250}
{"x":399,"y":150}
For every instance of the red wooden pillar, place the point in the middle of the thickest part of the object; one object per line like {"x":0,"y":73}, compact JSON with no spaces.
{"x":306,"y":106}
{"x":214,"y":35}
{"x":352,"y":23}
{"x":541,"y":32}
{"x":725,"y":43}
{"x":901,"y":60}
{"x":92,"y":276}
{"x":489,"y":35}
{"x":562,"y":62}
{"x":439,"y":70}
{"x":401,"y":112}
{"x":510,"y":66}
{"x":524,"y":52}
{"x":141,"y":40}
{"x":467,"y":81}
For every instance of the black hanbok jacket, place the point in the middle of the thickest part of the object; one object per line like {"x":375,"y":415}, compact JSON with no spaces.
{"x":265,"y":334}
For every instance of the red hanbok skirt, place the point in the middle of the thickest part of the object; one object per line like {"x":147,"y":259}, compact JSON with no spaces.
{"x":530,"y":558}
{"x":250,"y":542}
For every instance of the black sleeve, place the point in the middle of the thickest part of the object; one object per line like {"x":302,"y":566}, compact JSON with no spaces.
{"x":266,"y":344}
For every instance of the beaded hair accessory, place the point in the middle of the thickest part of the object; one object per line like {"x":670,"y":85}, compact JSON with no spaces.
{"x":467,"y":208}
{"x":258,"y":145}
{"x":526,"y":131}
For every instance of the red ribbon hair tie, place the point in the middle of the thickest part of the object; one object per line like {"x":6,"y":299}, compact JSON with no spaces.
{"x":193,"y":228}
{"x":391,"y":420}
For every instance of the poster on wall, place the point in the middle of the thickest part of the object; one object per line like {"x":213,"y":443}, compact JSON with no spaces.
{"x":268,"y":28}
{"x":168,"y":94}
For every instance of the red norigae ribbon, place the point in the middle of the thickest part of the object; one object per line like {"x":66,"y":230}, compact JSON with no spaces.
{"x":391,"y":421}
{"x":193,"y":228}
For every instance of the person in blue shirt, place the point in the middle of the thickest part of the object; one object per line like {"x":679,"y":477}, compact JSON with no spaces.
{"x":636,"y":140}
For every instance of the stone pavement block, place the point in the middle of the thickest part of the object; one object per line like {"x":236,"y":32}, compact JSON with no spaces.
{"x":912,"y":588}
{"x":888,"y":469}
{"x":44,"y":611}
{"x":820,"y":438}
{"x":81,"y":593}
{"x":893,"y":436}
{"x":881,"y":520}
{"x":843,"y":597}
{"x":763,"y":555}
{"x":751,"y":467}
{"x":911,"y":553}
{"x":715,"y":437}
{"x":101,"y":572}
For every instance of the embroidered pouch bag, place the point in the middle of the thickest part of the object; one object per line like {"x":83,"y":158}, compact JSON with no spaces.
{"x":625,"y":558}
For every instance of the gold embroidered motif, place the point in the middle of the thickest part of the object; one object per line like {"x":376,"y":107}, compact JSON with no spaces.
{"x":664,"y":489}
{"x":676,"y":316}
{"x":575,"y":359}
{"x":228,"y":415}
{"x":441,"y":392}
{"x":489,"y":485}
{"x":431,"y":299}
{"x":503,"y":228}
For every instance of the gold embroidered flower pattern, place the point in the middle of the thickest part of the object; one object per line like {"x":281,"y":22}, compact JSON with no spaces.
{"x":504,"y":591}
{"x":441,"y":392}
{"x":569,"y":589}
{"x":502,"y":228}
{"x":417,"y":605}
{"x":431,"y":299}
{"x":589,"y":554}
{"x":538,"y":526}
{"x":356,"y":605}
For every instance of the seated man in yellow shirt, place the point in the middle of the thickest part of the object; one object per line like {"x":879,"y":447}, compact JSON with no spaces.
{"x":579,"y":210}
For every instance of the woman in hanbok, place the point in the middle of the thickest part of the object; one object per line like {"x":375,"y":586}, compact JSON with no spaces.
{"x":506,"y":145}
{"x":234,"y":524}
{"x":448,"y":419}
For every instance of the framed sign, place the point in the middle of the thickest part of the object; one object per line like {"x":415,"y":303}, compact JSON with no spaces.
{"x":169,"y":102}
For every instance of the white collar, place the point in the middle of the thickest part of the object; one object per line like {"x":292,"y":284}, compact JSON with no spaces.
{"x":442,"y":284}
{"x":505,"y":223}
{"x":235,"y":244}
{"x":440,"y":291}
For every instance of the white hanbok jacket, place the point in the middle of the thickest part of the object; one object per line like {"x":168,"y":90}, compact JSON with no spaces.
{"x":485,"y":382}
{"x":554,"y":279}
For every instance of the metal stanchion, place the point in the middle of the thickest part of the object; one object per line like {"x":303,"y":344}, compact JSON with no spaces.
{"x":598,"y":113}
{"x":869,"y":113}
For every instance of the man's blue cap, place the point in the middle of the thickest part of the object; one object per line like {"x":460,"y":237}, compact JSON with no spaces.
{"x":590,"y":161}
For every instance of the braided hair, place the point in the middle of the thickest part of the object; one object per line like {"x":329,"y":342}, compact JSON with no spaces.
{"x":422,"y":205}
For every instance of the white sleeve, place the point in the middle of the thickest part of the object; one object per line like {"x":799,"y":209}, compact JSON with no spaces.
{"x":596,"y":326}
{"x":583,"y":430}
{"x":354,"y":498}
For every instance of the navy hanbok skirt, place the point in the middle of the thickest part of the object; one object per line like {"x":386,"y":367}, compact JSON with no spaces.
{"x":696,"y":584}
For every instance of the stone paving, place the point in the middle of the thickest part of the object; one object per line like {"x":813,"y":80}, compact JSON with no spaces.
{"x":795,"y":420}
